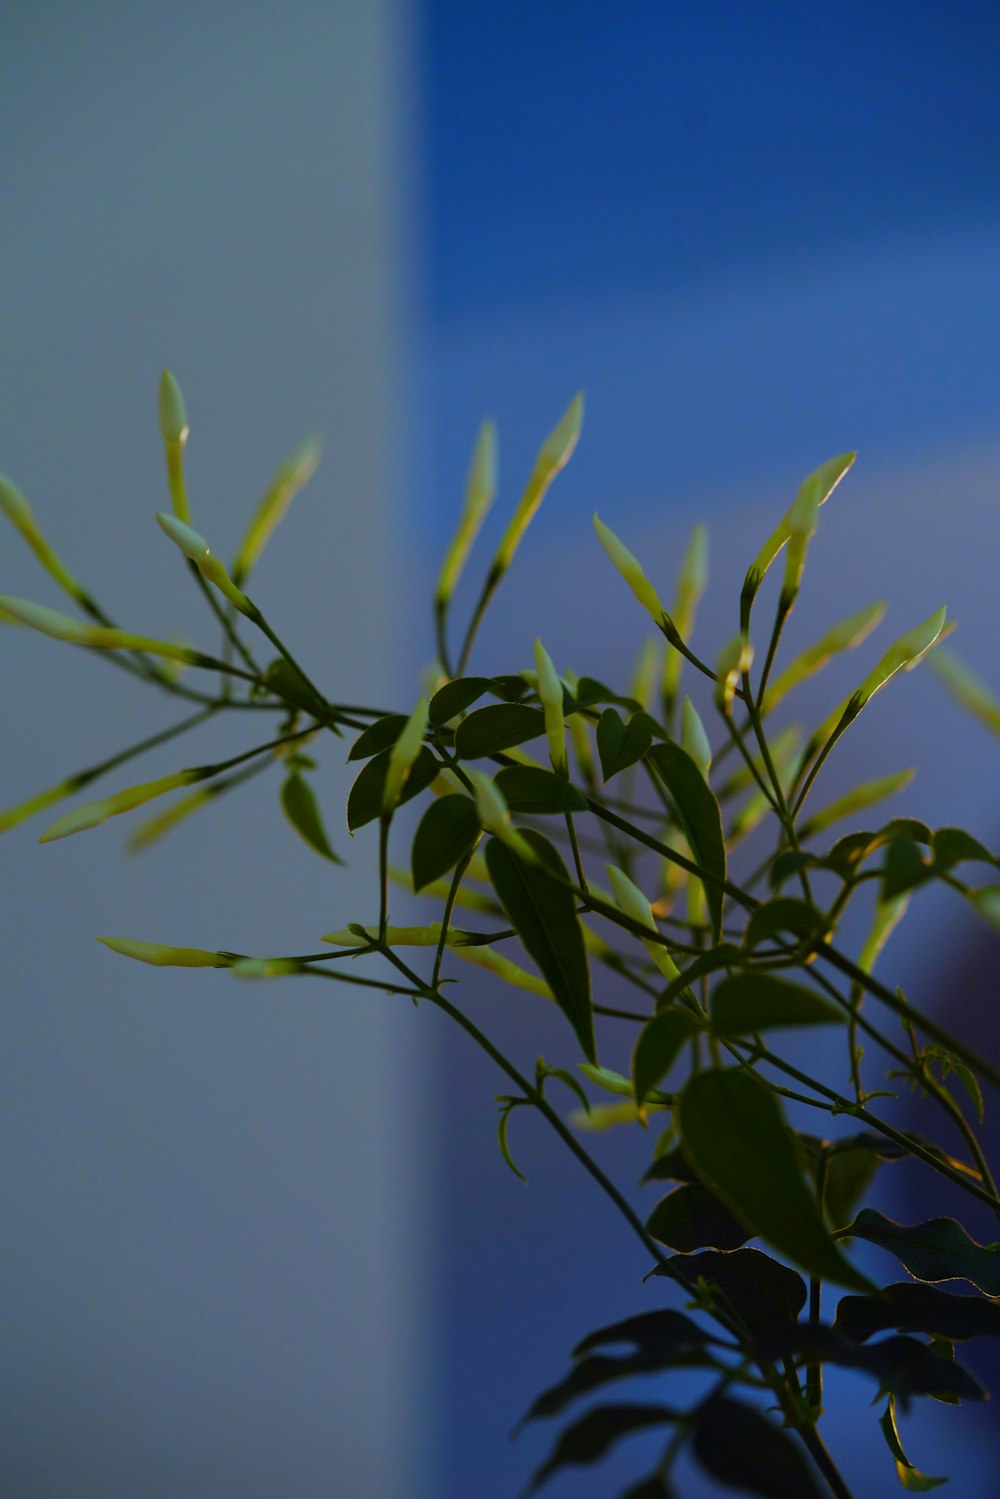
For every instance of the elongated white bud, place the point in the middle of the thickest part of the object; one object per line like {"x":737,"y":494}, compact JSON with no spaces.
{"x":402,"y":756}
{"x":630,"y":569}
{"x":550,"y":692}
{"x":194,"y":546}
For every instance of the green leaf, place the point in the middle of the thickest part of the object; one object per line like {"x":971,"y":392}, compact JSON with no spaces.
{"x":726,"y":955}
{"x":454,"y":697}
{"x":590,"y":692}
{"x":700,"y":819}
{"x":598,"y":1369}
{"x":447,"y":831}
{"x":953,"y":846}
{"x":848,"y":1174}
{"x":299,"y":805}
{"x":530,"y":789}
{"x":497,"y":727}
{"x":910,"y":1477}
{"x":621,"y":745}
{"x":950,"y":1063}
{"x":987,"y":902}
{"x":662,"y":1329}
{"x":783,"y":917}
{"x":909,"y":1307}
{"x":380,"y":735}
{"x":854,"y":848}
{"x":606,"y":1079}
{"x":364,"y":803}
{"x":756,"y":1001}
{"x":669,"y":1165}
{"x":542,"y":911}
{"x":735,"y":1137}
{"x":739,"y":1446}
{"x":283,"y":680}
{"x":657,"y":1048}
{"x":844,"y":636}
{"x":502,"y":1123}
{"x":691,"y":1217}
{"x":902,"y":1366}
{"x":653,"y":1487}
{"x":764,"y":1292}
{"x":939,"y":1249}
{"x":904,"y":868}
{"x":590,"y":1438}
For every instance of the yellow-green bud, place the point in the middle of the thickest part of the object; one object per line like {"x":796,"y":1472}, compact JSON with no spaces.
{"x":843,"y":636}
{"x":554,"y":454}
{"x":195,"y":547}
{"x":630,"y":569}
{"x":165,"y":957}
{"x":494,"y":814}
{"x":174,"y":430}
{"x":735,"y":658}
{"x":691,"y":583}
{"x":17,"y":510}
{"x":550,"y":692}
{"x":92,"y":814}
{"x":633,"y":904}
{"x":480,"y":493}
{"x":64,"y":627}
{"x":294,"y":473}
{"x":172,"y":411}
{"x":402,"y":756}
{"x":264,"y":968}
{"x":693,"y":737}
{"x":814,"y":491}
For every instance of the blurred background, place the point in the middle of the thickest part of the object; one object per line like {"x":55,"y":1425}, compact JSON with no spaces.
{"x":260,"y":1241}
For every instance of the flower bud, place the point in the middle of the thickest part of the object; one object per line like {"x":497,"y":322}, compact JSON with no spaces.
{"x":554,"y":454}
{"x":630,"y":569}
{"x":165,"y":957}
{"x":693,"y":737}
{"x":174,"y":430}
{"x":735,"y":658}
{"x":293,"y":474}
{"x":550,"y":692}
{"x":967,"y":688}
{"x":402,"y":756}
{"x":480,"y":493}
{"x":196,"y":548}
{"x":494,"y":815}
{"x":633,"y":904}
{"x":17,"y":510}
{"x":815,"y":490}
{"x":64,"y":627}
{"x":92,"y":814}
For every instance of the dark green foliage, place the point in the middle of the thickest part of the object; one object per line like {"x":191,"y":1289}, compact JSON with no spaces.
{"x":530,"y":789}
{"x":593,"y":1436}
{"x":700,"y":820}
{"x":542,"y":911}
{"x":741,"y":1447}
{"x":700,"y":970}
{"x":620,"y":744}
{"x":934,"y":1251}
{"x":499,"y":726}
{"x":365,"y":801}
{"x":918,"y":1308}
{"x":380,"y":735}
{"x":760,"y":1289}
{"x":446,"y":832}
{"x":738,"y":1143}
{"x":299,"y":805}
{"x":691,"y":1217}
